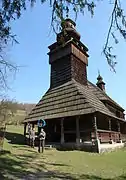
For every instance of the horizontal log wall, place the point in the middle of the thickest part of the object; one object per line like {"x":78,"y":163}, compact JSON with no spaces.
{"x":104,"y":136}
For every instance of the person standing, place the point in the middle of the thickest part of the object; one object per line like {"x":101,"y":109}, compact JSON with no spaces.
{"x":41,"y":138}
{"x":29,"y":131}
{"x":32,"y":137}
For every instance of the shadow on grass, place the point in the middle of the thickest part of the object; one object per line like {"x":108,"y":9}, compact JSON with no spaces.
{"x":15,"y":138}
{"x":4,"y":152}
{"x":26,"y":148}
{"x":14,"y":167}
{"x":93,"y":177}
{"x":57,"y":164}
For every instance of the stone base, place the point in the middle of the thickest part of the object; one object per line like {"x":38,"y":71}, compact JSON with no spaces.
{"x":97,"y":145}
{"x":110,"y":147}
{"x":85,"y":146}
{"x":111,"y":142}
{"x":88,"y":146}
{"x":120,"y":141}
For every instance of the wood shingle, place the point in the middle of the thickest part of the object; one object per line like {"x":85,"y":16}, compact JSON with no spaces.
{"x":69,"y":99}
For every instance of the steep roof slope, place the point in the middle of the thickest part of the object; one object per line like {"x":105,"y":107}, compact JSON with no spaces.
{"x":64,"y":100}
{"x":102,"y":95}
{"x":69,"y":99}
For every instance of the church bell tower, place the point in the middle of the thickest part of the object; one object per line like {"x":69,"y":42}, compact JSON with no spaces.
{"x":68,"y":56}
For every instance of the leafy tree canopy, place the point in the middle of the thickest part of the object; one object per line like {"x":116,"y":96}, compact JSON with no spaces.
{"x":12,"y":9}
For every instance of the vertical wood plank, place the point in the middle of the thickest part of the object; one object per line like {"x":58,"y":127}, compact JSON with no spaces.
{"x":95,"y":126}
{"x":110,"y":128}
{"x":118,"y":126}
{"x":62,"y":130}
{"x":77,"y":130}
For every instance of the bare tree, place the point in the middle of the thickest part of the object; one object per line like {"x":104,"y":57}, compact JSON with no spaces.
{"x":6,"y":69}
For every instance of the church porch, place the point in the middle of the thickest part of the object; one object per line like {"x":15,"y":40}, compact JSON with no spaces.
{"x":85,"y":132}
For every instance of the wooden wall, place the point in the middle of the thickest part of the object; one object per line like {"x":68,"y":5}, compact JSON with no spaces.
{"x":79,"y":70}
{"x":117,"y":112}
{"x":66,"y":68}
{"x":102,"y":122}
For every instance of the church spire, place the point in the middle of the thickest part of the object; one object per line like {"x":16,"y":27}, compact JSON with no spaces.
{"x":100,"y":83}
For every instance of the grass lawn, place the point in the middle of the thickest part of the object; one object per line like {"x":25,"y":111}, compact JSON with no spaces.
{"x":26,"y":163}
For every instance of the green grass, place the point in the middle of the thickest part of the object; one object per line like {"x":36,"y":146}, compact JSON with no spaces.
{"x":24,"y":162}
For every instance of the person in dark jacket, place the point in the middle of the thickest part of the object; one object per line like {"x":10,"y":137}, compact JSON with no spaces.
{"x":41,"y":137}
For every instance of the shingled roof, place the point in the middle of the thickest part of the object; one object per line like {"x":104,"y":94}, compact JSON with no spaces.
{"x":70,"y":99}
{"x":102,"y":96}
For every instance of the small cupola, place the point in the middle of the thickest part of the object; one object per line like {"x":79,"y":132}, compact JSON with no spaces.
{"x":100,"y":83}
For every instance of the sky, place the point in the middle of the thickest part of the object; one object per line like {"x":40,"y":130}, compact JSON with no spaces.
{"x":33,"y":33}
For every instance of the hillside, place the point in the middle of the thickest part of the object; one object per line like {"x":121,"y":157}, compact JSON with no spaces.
{"x":22,"y":111}
{"x":14,"y":112}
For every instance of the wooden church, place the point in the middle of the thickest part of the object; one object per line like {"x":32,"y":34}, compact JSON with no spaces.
{"x":78,"y":113}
